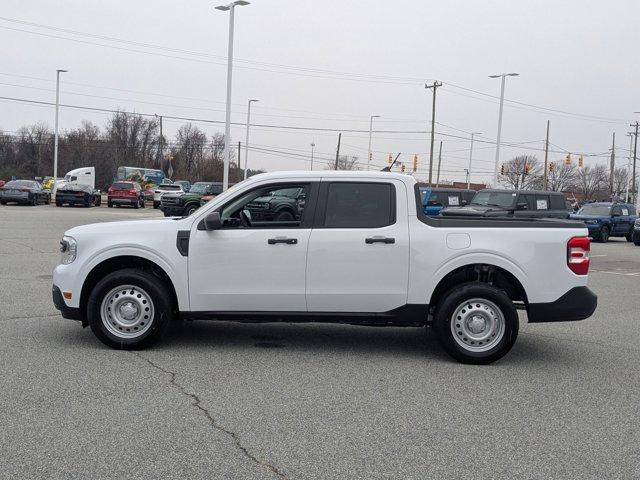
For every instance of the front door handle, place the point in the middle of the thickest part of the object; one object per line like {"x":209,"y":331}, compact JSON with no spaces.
{"x":288,"y":241}
{"x":371,"y":240}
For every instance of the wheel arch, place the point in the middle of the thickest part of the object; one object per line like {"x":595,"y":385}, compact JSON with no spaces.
{"x":481,"y":272}
{"x":120,"y":262}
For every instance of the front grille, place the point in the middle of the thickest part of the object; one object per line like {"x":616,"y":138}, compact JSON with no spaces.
{"x":169,"y":201}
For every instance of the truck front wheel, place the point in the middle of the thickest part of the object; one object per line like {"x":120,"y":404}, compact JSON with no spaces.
{"x":129,"y":309}
{"x":476,"y":323}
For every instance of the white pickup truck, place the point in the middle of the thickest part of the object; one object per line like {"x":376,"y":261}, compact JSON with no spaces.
{"x":354,"y":248}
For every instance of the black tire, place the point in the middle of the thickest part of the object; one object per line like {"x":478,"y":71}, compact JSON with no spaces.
{"x":603,"y":235}
{"x":636,"y":239}
{"x":142,"y":203}
{"x":34,"y":201}
{"x":629,"y":236}
{"x":97,"y":201}
{"x":87,"y":203}
{"x":109,"y":204}
{"x":47,"y":200}
{"x":189,"y":209}
{"x":156,"y":205}
{"x":3,"y":202}
{"x":160,"y":303}
{"x":136,"y":205}
{"x":451,"y":303}
{"x":58,"y":203}
{"x":284,"y":216}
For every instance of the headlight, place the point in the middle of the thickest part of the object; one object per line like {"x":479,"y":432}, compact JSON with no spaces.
{"x":68,"y":250}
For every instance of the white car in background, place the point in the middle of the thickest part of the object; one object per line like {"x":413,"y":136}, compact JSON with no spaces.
{"x":165,"y":188}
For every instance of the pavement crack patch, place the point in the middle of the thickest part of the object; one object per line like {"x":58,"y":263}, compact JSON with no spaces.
{"x":197,"y":403}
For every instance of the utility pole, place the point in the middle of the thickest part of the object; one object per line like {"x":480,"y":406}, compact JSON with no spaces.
{"x":546,"y":157}
{"x":55,"y":142}
{"x":635,"y":152}
{"x":470,"y":159}
{"x":239,"y":170}
{"x":338,"y":150}
{"x":246,"y":141}
{"x":630,"y":135}
{"x":313,"y":144}
{"x":435,"y":86}
{"x":439,"y":162}
{"x":370,"y":134}
{"x":161,"y":145}
{"x":497,"y":160}
{"x":613,"y":164}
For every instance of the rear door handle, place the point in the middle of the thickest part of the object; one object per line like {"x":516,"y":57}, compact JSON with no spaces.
{"x":371,"y":240}
{"x":288,"y":241}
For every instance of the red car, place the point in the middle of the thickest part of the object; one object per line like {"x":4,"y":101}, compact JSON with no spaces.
{"x":125,"y":193}
{"x":1,"y":183}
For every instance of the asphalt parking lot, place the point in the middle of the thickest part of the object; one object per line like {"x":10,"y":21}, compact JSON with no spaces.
{"x":224,"y":400}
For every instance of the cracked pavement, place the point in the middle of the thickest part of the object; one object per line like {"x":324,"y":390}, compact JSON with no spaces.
{"x":224,"y":400}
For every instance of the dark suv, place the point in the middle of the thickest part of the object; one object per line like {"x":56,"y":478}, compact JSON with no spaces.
{"x":281,"y":205}
{"x":517,"y":203}
{"x":607,"y":219}
{"x":184,"y":204}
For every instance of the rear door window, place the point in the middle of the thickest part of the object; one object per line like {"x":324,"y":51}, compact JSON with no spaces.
{"x":359,"y":205}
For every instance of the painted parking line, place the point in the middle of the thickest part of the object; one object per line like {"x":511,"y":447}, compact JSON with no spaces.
{"x":626,"y":274}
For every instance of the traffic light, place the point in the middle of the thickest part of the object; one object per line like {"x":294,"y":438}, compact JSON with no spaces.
{"x":552,"y":167}
{"x":567,"y":159}
{"x":503,"y":170}
{"x":390,"y":159}
{"x":370,"y":156}
{"x":581,"y":162}
{"x":415,"y":163}
{"x":402,"y":167}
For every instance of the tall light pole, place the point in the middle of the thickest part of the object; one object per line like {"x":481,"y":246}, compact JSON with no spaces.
{"x":473,"y":134}
{"x":495,"y":167}
{"x":313,"y":145}
{"x":55,"y":141}
{"x":370,"y":132}
{"x":435,"y":86}
{"x":246,"y":142}
{"x":227,"y":127}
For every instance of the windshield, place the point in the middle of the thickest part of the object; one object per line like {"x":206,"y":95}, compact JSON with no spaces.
{"x":595,"y":210}
{"x":200,"y":188}
{"x":494,"y":199}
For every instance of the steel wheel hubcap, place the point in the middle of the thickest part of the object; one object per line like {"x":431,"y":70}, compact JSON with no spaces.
{"x":127,"y":311}
{"x":477,"y":325}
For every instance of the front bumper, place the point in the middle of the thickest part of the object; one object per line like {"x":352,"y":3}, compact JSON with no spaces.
{"x":577,"y":304}
{"x":67,"y":312}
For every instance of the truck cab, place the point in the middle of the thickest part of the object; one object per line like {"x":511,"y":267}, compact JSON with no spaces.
{"x":608,"y":219}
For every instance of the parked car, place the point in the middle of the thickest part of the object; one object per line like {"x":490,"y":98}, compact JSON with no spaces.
{"x":183,"y":204}
{"x":359,"y":252}
{"x":635,"y":236}
{"x":24,"y":192}
{"x":517,"y":203}
{"x":78,"y":194}
{"x":434,"y":199}
{"x":607,"y":219}
{"x":125,"y":193}
{"x":278,"y":205}
{"x":186,"y":184}
{"x":2,"y":182}
{"x":165,"y":188}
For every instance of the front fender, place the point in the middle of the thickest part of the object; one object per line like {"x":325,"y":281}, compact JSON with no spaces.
{"x":176,"y":272}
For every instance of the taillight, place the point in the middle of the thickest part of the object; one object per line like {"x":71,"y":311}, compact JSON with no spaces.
{"x":578,"y":255}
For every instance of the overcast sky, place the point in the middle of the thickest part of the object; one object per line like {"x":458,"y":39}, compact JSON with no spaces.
{"x":332,"y":64}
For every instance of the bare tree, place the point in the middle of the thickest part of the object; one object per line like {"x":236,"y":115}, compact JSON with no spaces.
{"x":521,"y":173}
{"x":620,"y":180}
{"x":591,"y":180}
{"x":345,"y":162}
{"x":562,"y":178}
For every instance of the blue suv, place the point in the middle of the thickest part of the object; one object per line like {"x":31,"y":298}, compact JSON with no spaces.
{"x":434,"y":199}
{"x":607,"y":219}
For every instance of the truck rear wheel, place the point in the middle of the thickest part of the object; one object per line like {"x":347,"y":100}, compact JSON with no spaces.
{"x":129,"y":309}
{"x":476,"y":323}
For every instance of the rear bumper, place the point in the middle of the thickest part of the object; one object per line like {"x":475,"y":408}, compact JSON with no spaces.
{"x":122,"y":200}
{"x":15,"y":197}
{"x":577,"y":304}
{"x":70,"y":313}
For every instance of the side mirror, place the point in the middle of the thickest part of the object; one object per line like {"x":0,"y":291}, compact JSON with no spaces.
{"x":212,"y":221}
{"x":521,"y":206}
